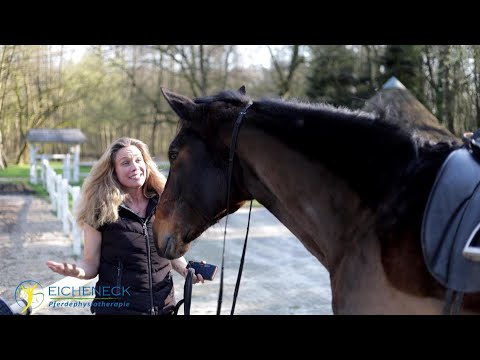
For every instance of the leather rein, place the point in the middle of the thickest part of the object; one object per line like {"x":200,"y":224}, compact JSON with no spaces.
{"x":236,"y":129}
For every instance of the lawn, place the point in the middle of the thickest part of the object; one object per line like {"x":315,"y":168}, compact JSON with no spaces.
{"x":20,"y":174}
{"x":16,"y":171}
{"x":22,"y":171}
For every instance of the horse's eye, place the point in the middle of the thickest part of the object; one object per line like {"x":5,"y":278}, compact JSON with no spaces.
{"x":172,"y":155}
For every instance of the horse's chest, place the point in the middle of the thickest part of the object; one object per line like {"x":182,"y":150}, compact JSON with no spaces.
{"x":360,"y":285}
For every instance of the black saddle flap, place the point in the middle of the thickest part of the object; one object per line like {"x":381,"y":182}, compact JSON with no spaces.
{"x":451,"y":214}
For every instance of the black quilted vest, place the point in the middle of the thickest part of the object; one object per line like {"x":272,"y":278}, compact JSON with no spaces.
{"x":133,"y":277}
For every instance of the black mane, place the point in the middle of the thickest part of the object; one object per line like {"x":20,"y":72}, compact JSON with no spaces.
{"x":233,"y":97}
{"x":404,"y":207}
{"x":361,"y":148}
{"x":389,"y":168}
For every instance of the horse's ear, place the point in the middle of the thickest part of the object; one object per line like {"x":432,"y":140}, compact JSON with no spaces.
{"x":182,"y":105}
{"x":242,"y":90}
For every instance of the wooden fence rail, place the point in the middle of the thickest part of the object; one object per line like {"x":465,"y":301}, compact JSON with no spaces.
{"x":64,"y":199}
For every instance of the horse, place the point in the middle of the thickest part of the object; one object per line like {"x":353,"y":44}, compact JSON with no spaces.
{"x":351,"y":186}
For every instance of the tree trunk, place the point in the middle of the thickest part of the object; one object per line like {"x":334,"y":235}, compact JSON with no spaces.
{"x":476,"y":83}
{"x":3,"y":159}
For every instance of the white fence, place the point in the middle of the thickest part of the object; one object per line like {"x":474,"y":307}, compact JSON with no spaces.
{"x":60,"y":193}
{"x":64,"y":197}
{"x":68,"y":169}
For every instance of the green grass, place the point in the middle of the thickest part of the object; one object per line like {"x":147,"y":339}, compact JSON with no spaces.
{"x":20,"y":174}
{"x":23,"y":170}
{"x":40,"y":190}
{"x":255,"y":204}
{"x":16,"y":171}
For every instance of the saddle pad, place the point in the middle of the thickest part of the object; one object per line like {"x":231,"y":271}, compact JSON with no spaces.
{"x":451,"y":214}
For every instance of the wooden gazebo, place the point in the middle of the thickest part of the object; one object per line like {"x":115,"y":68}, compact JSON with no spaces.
{"x":402,"y":108}
{"x":72,"y":137}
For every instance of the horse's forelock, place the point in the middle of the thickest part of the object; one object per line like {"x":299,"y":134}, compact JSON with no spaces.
{"x":230,"y":96}
{"x":209,"y":116}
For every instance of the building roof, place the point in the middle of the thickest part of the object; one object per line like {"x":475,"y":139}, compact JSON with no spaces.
{"x":401,"y":107}
{"x":69,"y":136}
{"x":393,"y":83}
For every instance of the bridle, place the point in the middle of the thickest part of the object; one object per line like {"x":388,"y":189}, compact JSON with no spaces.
{"x":236,"y":129}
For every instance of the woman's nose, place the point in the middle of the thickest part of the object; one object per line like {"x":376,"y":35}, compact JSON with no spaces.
{"x":135,"y":166}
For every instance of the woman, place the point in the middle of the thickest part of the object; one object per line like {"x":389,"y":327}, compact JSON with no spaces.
{"x":116,"y":212}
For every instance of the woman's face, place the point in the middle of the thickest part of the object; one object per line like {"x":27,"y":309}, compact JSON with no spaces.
{"x":130,"y":167}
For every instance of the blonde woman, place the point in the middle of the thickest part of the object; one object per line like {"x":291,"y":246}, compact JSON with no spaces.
{"x":116,"y":212}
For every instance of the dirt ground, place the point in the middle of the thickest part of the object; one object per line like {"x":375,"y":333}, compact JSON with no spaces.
{"x":30,"y":234}
{"x":279,"y":277}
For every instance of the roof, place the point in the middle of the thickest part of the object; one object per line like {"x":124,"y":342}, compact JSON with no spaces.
{"x":402,"y":108}
{"x":70,"y":136}
{"x":393,"y":83}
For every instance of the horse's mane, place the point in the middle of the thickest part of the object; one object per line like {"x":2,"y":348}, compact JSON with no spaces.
{"x":284,"y":109}
{"x":404,"y":207}
{"x":297,"y":123}
{"x":234,"y":97}
{"x":402,"y":172}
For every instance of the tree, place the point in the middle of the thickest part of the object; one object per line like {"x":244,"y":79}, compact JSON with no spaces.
{"x":285,"y":68}
{"x":6,"y":55}
{"x":332,"y":78}
{"x":405,"y":63}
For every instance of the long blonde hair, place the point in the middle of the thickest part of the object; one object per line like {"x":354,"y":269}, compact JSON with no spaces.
{"x":102,"y":193}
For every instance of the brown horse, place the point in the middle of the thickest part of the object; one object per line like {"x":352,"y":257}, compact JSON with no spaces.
{"x":349,"y":185}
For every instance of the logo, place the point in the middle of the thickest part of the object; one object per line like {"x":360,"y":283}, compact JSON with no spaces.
{"x":31,"y":292}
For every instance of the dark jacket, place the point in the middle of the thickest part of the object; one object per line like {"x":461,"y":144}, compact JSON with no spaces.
{"x":133,"y":277}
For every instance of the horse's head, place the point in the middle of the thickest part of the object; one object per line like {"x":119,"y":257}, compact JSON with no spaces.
{"x":195,"y":194}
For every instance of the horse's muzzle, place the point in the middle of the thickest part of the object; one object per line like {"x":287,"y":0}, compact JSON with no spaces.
{"x":169,"y":250}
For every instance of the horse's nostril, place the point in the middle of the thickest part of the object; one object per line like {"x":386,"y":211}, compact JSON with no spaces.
{"x":169,"y":246}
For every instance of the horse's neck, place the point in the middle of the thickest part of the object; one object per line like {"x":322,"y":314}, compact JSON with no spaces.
{"x":366,"y":152}
{"x":299,"y":193}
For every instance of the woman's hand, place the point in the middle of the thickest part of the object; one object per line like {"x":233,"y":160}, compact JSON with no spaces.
{"x":66,"y":269}
{"x":180,"y":266}
{"x":196,"y":278}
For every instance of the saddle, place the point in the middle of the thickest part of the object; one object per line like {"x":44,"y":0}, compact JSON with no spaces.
{"x":451,"y":217}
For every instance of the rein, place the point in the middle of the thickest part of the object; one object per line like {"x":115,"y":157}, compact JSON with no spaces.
{"x":236,"y":128}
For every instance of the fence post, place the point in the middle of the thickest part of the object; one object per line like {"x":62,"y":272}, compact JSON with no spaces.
{"x":51,"y":187}
{"x":33,"y":164}
{"x":76,"y":163}
{"x":76,"y":232}
{"x":64,"y":196}
{"x":58,"y":192}
{"x":66,"y":167}
{"x":43,"y":171}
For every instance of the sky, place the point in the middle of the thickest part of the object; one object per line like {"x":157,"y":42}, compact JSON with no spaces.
{"x":255,"y":55}
{"x":250,"y":54}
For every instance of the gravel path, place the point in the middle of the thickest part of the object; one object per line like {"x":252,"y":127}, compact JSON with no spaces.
{"x":279,"y":277}
{"x":30,"y":234}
